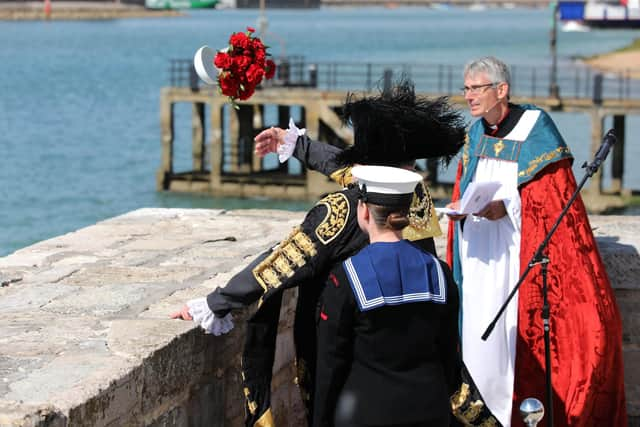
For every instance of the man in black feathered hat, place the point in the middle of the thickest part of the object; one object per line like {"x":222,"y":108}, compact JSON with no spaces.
{"x":399,"y":127}
{"x":390,"y":129}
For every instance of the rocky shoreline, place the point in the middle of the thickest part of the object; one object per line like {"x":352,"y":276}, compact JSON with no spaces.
{"x":81,"y":10}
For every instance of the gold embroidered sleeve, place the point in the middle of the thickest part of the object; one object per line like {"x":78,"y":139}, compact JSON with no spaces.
{"x":291,"y":254}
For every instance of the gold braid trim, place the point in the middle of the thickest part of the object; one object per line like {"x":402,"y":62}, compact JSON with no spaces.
{"x":465,"y":154}
{"x":546,"y":157}
{"x":467,"y":412}
{"x":336,"y":219}
{"x":342,"y":176}
{"x":251,"y":405}
{"x":291,"y":254}
{"x":266,"y":420}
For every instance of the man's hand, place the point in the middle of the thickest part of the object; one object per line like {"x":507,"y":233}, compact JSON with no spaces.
{"x":182,"y":314}
{"x":455,"y":206}
{"x":493,"y":211}
{"x":268,"y":140}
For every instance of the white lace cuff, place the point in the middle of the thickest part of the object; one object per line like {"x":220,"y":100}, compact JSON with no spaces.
{"x":285,"y":150}
{"x":199,"y":310}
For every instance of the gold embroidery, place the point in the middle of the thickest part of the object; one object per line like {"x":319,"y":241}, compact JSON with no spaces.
{"x":498,"y":147}
{"x":304,"y":243}
{"x":459,"y":397}
{"x":281,"y":264}
{"x":546,"y":157}
{"x":295,"y":255}
{"x":251,"y":405}
{"x":420,"y":209}
{"x":266,"y":420}
{"x":489,"y":422}
{"x":342,"y":176}
{"x":336,"y":218}
{"x":465,"y":153}
{"x":472,"y":412}
{"x":291,"y":253}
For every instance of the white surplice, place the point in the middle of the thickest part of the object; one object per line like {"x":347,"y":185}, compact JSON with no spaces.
{"x":490,"y":260}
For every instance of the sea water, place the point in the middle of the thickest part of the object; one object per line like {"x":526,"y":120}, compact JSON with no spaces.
{"x":79,"y":100}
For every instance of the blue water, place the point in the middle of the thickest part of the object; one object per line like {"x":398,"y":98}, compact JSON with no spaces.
{"x":79,"y":101}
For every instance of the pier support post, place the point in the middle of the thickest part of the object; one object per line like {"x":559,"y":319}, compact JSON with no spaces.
{"x":597,"y":125}
{"x":315,"y":181}
{"x":617,"y":161}
{"x":284,"y":112}
{"x":216,"y":145}
{"x":198,"y":136}
{"x":244,"y":141}
{"x":166,"y":140}
{"x":259,"y":124}
{"x":234,"y":133}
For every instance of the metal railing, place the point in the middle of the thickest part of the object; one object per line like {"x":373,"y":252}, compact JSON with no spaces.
{"x":574,"y":80}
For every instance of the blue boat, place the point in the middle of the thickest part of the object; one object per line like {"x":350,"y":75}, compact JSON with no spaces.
{"x":600,"y":14}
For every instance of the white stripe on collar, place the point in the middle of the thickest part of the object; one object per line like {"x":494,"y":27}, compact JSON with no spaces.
{"x":523,"y":128}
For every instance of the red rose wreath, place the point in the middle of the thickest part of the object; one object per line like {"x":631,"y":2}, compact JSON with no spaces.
{"x":240,"y":67}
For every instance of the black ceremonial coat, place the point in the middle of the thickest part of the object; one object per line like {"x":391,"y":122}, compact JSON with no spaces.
{"x":328,"y":234}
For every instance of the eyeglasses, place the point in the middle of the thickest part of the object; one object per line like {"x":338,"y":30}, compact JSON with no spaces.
{"x":476,"y":89}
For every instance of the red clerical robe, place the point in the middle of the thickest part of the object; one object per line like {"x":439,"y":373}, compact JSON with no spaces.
{"x":585,"y":326}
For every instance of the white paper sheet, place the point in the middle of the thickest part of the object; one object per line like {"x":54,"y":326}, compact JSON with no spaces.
{"x":475,"y":197}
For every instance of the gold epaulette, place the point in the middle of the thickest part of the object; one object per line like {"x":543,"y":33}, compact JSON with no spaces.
{"x":342,"y":176}
{"x":423,"y":220}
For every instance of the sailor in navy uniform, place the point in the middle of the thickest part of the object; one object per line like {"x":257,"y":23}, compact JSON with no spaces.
{"x":387,"y":321}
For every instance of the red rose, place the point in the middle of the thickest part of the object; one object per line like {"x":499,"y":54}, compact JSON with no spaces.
{"x":239,"y":41}
{"x":251,"y":30}
{"x":228,"y":84}
{"x":246,"y":92}
{"x":242,"y":63}
{"x":260,"y":57}
{"x":270,"y":70}
{"x":222,"y":60}
{"x":257,"y":44}
{"x":255,"y":74}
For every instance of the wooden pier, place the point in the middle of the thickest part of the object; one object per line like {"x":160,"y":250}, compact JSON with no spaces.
{"x":232,"y":169}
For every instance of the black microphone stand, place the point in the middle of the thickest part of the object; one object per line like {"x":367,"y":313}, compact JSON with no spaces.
{"x":541,"y":258}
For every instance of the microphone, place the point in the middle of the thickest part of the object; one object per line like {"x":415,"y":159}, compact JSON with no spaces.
{"x":492,"y":107}
{"x":607,"y":142}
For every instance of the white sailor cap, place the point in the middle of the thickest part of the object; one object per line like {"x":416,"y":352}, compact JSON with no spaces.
{"x":384,"y":185}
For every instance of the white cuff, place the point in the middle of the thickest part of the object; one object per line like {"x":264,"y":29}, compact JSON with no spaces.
{"x":285,"y":150}
{"x":199,"y":310}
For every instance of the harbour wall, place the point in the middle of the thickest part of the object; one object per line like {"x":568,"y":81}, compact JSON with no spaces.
{"x":86,"y":338}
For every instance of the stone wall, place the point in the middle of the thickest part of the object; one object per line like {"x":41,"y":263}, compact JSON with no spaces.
{"x":86,"y":339}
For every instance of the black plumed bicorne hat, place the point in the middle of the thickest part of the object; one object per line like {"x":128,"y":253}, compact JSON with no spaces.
{"x":399,"y":127}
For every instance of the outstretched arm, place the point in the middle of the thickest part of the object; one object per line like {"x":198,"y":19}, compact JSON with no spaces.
{"x":314,"y":155}
{"x":328,"y":233}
